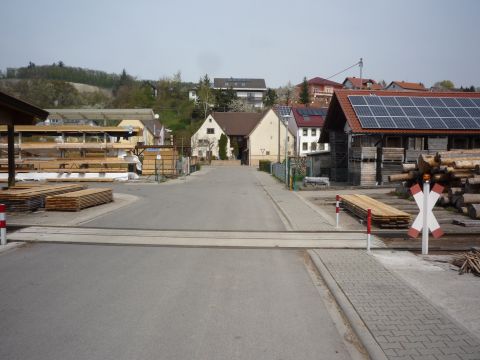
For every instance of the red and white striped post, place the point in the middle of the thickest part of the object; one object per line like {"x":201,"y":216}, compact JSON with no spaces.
{"x":369,"y":229}
{"x":3,"y":225}
{"x":337,"y":210}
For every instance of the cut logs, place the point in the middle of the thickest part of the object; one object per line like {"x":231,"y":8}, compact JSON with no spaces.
{"x":78,"y":200}
{"x":468,"y":262}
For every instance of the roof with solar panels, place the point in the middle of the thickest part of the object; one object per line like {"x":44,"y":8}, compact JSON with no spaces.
{"x":398,"y":112}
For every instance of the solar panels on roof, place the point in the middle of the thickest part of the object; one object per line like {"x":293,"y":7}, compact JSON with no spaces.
{"x":283,"y":110}
{"x":414,"y":112}
{"x":312,"y":111}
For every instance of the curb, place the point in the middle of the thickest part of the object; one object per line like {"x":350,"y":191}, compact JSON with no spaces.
{"x":358,"y":326}
{"x":10,"y":246}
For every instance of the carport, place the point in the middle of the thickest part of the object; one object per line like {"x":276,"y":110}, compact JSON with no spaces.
{"x":16,"y":112}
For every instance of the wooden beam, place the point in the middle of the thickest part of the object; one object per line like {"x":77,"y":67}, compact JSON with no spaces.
{"x":11,"y":155}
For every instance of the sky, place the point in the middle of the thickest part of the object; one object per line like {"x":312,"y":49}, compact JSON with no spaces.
{"x":411,"y":40}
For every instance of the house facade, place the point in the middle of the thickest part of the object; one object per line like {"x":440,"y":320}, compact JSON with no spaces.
{"x":152,"y":131}
{"x":309,"y":123}
{"x":250,"y":91}
{"x":204,"y":142}
{"x":357,"y":83}
{"x":320,"y":90}
{"x":267,"y":140}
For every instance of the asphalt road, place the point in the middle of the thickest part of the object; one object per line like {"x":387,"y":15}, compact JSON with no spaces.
{"x":114,"y":302}
{"x":217,"y":198}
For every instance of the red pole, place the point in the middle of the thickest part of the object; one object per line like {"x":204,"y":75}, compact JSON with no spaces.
{"x":369,"y":228}
{"x":3,"y":225}
{"x":337,"y":210}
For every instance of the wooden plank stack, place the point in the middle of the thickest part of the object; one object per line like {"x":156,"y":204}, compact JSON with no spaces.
{"x":384,"y":215}
{"x":29,"y":199}
{"x":363,"y":166}
{"x":457,"y":170}
{"x":78,"y":200}
{"x":166,"y":166}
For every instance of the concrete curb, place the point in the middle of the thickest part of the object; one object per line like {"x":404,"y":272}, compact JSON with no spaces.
{"x":10,"y":246}
{"x":358,"y":326}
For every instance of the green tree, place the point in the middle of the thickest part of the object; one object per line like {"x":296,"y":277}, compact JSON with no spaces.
{"x":224,"y":98}
{"x":444,"y":84}
{"x":222,"y":147}
{"x":304,"y":94}
{"x":270,"y":98}
{"x":205,"y":95}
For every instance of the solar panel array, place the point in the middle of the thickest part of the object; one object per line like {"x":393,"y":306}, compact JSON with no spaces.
{"x":312,"y":111}
{"x":413,"y":112}
{"x":283,"y":110}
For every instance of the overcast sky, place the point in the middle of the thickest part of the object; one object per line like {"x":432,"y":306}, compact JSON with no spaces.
{"x":412,"y":40}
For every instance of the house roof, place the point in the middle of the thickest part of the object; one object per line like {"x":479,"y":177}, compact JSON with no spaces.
{"x":101,"y":114}
{"x":309,"y":117}
{"x":237,"y":123}
{"x":322,"y":81}
{"x":239,"y":83}
{"x":341,"y":111}
{"x":408,"y":85}
{"x":358,"y":83}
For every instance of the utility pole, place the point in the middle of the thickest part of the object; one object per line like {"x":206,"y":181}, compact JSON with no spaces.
{"x":360,"y":65}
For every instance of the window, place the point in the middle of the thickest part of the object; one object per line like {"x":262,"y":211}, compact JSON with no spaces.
{"x":313,"y":146}
{"x":304,"y":146}
{"x":328,"y":89}
{"x":209,"y":120}
{"x":267,"y":152}
{"x":210,"y":131}
{"x":314,"y":132}
{"x":200,"y":153}
{"x":305,"y":132}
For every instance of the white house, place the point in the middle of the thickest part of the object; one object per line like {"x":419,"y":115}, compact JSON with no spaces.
{"x":309,"y":123}
{"x":205,"y":141}
{"x":250,"y":91}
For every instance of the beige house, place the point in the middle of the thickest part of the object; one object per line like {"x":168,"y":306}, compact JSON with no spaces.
{"x":204,"y":142}
{"x":267,"y":137}
{"x":152,"y":132}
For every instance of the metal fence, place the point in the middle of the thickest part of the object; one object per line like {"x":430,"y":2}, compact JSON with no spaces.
{"x":278,"y":170}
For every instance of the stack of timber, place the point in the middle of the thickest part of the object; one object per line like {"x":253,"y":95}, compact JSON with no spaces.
{"x":78,"y":200}
{"x":383,"y":215}
{"x":457,"y":170}
{"x":165,"y":165}
{"x":363,"y":166}
{"x":33,"y":198}
{"x":391,"y":161}
{"x":339,"y":156}
{"x":468,"y":262}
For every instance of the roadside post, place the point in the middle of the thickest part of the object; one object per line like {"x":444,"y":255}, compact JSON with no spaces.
{"x":369,"y":229}
{"x":425,"y":220}
{"x":158,"y":157}
{"x":337,"y":210}
{"x":3,"y":225}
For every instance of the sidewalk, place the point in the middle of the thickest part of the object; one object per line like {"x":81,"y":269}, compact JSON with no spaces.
{"x":300,"y":215}
{"x":403,"y":323}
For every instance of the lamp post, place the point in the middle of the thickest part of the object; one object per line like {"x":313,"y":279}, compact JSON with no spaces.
{"x":286,"y":119}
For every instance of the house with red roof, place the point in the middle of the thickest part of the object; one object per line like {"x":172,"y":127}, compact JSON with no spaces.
{"x":309,"y":121}
{"x":405,"y":86}
{"x":408,"y":123}
{"x":320,"y":90}
{"x":357,"y":83}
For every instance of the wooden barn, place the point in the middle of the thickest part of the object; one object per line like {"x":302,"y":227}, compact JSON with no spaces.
{"x":372,"y":133}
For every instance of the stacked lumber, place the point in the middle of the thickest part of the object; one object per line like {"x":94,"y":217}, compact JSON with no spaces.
{"x":166,"y":166}
{"x":80,"y":180}
{"x":78,"y":200}
{"x":29,"y":199}
{"x":384,"y":215}
{"x":468,"y":262}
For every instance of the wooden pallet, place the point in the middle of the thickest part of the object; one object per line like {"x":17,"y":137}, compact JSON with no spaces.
{"x":382,"y":214}
{"x":78,"y":200}
{"x":28,"y":199}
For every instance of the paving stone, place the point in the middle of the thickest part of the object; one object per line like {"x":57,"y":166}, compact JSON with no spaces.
{"x":404,"y":323}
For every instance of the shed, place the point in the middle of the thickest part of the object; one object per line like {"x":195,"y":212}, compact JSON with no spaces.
{"x":16,"y":112}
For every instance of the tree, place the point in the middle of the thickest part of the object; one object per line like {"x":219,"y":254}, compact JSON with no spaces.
{"x":61,"y":64}
{"x":304,"y":94}
{"x":270,"y":98}
{"x":205,"y":95}
{"x":222,"y":147}
{"x":285,"y":93}
{"x":224,"y":98}
{"x":444,"y":84}
{"x":237,"y":105}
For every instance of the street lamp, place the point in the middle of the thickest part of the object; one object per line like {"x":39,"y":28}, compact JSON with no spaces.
{"x":286,"y":119}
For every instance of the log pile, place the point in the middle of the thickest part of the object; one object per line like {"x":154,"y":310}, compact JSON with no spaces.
{"x":383,"y":215}
{"x":468,"y":262}
{"x":457,"y":170}
{"x":33,"y":198}
{"x":78,"y":200}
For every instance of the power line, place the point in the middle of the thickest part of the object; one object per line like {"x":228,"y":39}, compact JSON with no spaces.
{"x":357,"y":63}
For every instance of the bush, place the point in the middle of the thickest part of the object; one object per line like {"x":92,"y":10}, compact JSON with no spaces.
{"x":264,"y":165}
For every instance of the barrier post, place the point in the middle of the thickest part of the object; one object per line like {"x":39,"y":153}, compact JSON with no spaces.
{"x":425,"y":230}
{"x":337,"y":210}
{"x":3,"y":225}
{"x":369,"y":229}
